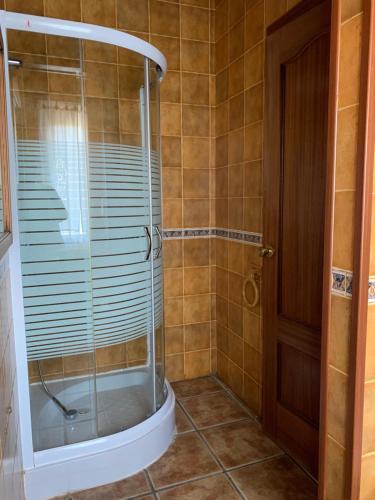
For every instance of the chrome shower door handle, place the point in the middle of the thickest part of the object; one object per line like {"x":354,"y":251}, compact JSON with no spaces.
{"x":149,"y":239}
{"x":160,"y":241}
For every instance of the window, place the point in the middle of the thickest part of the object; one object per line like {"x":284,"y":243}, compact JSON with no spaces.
{"x":5,"y":214}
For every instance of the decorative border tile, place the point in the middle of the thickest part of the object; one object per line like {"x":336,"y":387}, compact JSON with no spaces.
{"x":371,"y":290}
{"x":338,"y":281}
{"x":229,"y":234}
{"x":342,"y":284}
{"x":176,"y":234}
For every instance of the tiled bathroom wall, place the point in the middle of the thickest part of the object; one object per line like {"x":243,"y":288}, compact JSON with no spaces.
{"x":368,"y":438}
{"x":345,"y":190}
{"x":11,"y":477}
{"x":240,"y":29}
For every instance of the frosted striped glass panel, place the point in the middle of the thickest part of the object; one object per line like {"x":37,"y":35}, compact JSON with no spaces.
{"x":85,"y":277}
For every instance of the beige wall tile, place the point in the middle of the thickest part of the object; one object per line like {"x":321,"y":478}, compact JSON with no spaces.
{"x":98,"y":12}
{"x":164,"y":18}
{"x":236,"y":40}
{"x":174,"y":367}
{"x":63,"y":9}
{"x":194,"y":23}
{"x":340,"y":332}
{"x":173,"y":254}
{"x":196,"y":280}
{"x":171,"y":151}
{"x":173,"y":311}
{"x":274,"y":10}
{"x":336,"y":470}
{"x":255,"y":24}
{"x":197,"y":336}
{"x":196,"y":252}
{"x":195,"y":120}
{"x":174,"y":340}
{"x":346,"y":148}
{"x":197,"y":363}
{"x":131,"y":15}
{"x":350,"y":8}
{"x":197,"y":308}
{"x":34,"y":7}
{"x":196,"y":213}
{"x":254,"y":65}
{"x":195,"y":56}
{"x":368,"y":439}
{"x":195,"y":89}
{"x":370,"y":343}
{"x":343,"y":232}
{"x":367,"y":478}
{"x":173,"y":283}
{"x":337,"y":405}
{"x":350,"y":62}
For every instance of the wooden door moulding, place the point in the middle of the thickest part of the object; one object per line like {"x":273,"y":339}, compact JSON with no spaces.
{"x":362,"y":249}
{"x":328,"y":239}
{"x":298,"y":10}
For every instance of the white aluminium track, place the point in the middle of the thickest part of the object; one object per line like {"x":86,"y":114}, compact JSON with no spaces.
{"x":83,"y":31}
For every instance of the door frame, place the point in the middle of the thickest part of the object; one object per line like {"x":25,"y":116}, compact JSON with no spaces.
{"x":362,"y":250}
{"x":362,"y":240}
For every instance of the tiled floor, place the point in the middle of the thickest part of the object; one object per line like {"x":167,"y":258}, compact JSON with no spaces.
{"x":220,"y":452}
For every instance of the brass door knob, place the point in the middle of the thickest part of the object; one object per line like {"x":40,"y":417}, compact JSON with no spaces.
{"x":267,"y":252}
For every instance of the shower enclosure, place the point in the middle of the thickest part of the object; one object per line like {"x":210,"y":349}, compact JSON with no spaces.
{"x":83,"y":106}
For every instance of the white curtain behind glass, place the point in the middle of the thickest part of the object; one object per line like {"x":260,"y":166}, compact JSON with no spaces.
{"x":63,"y":129}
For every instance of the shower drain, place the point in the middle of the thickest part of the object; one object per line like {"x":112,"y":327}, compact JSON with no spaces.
{"x":83,"y":411}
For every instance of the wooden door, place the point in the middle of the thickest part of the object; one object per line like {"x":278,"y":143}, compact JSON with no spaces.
{"x":297,"y":76}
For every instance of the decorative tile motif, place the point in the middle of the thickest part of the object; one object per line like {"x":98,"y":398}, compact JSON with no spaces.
{"x":338,"y":281}
{"x":371,"y":290}
{"x":229,"y":234}
{"x":342,"y":284}
{"x":176,"y":234}
{"x":349,"y":284}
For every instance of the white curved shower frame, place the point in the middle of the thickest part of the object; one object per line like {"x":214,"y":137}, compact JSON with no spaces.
{"x":74,"y":29}
{"x":99,"y":461}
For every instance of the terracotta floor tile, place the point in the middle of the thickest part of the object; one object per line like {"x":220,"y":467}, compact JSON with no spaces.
{"x":240,"y":443}
{"x":195,"y":387}
{"x":277,"y":479}
{"x":213,"y":409}
{"x":210,"y":488}
{"x":130,"y":487}
{"x":182,"y":422}
{"x":187,"y":458}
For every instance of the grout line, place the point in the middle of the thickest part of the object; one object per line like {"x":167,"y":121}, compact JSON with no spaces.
{"x":187,"y":481}
{"x":258,"y":461}
{"x":150,"y":478}
{"x":251,"y":414}
{"x":214,"y":426}
{"x":300,"y":466}
{"x":196,"y":396}
{"x":234,"y":486}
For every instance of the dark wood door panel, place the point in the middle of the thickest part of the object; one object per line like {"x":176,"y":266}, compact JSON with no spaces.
{"x":297,"y":76}
{"x":298,"y":383}
{"x":298,"y":438}
{"x":299,"y":336}
{"x":304,"y":106}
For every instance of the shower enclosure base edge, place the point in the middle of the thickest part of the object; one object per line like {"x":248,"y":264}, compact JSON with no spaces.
{"x":93,"y":463}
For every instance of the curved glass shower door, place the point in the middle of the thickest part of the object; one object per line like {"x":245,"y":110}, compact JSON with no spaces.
{"x":89,"y":210}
